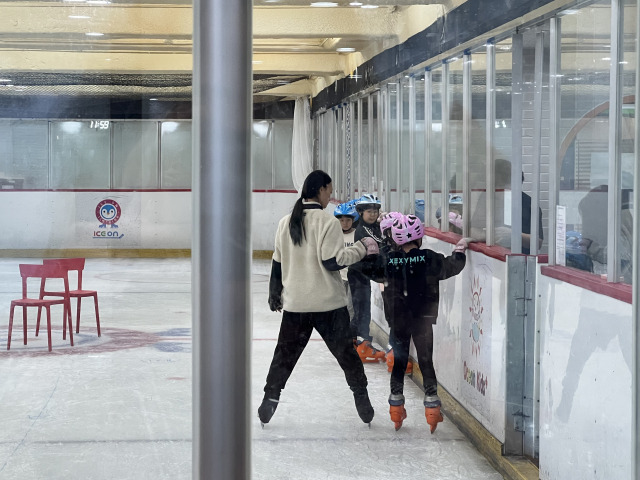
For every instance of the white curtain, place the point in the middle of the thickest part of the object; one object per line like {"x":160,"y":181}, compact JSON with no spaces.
{"x":301,"y":161}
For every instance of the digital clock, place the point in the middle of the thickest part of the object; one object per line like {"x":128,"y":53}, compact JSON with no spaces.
{"x":100,"y":124}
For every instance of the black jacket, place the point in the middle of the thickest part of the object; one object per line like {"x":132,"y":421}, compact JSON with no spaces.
{"x":412,"y":280}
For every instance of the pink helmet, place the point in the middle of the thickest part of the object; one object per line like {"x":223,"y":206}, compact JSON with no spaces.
{"x":388,"y":220}
{"x":407,"y":229}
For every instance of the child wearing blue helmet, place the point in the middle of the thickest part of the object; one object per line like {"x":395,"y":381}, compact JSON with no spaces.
{"x":348,"y":216}
{"x":368,"y":207}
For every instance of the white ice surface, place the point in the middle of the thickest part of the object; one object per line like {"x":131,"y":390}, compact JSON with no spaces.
{"x":119,"y":406}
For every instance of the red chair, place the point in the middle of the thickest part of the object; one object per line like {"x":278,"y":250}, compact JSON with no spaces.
{"x":77,"y":265}
{"x":43,"y":272}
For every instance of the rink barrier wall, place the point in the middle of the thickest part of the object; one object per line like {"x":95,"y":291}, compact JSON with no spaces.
{"x":112,"y":253}
{"x":511,"y":467}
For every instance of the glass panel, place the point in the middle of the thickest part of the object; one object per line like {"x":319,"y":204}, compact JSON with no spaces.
{"x":282,"y":142}
{"x":135,"y":154}
{"x":24,"y":154}
{"x":478,"y":137}
{"x":626,"y":138}
{"x":435,"y":151}
{"x":80,"y":154}
{"x":584,"y":151}
{"x":405,"y":147}
{"x":419,"y":153}
{"x":261,"y":154}
{"x":175,"y":159}
{"x":392,"y":144}
{"x":454,"y":140}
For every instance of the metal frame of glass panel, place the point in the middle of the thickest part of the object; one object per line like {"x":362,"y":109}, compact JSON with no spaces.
{"x":412,"y":125}
{"x":466,"y":140}
{"x":428,"y":126}
{"x":444,"y":96}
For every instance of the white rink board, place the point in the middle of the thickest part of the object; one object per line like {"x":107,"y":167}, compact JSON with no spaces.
{"x":585,"y":383}
{"x":154,"y":220}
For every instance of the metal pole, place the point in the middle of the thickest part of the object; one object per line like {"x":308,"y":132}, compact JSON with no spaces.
{"x":221,"y":254}
{"x":444,"y":96}
{"x":428,"y":126}
{"x":412,"y":126}
{"x":517,"y":76}
{"x":614,"y":193}
{"x":490,"y":126}
{"x":466,"y":139}
{"x":555,"y":70}
{"x":635,"y":279}
{"x":537,"y":141}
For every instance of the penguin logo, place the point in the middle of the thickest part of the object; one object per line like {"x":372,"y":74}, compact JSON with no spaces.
{"x":108,"y":212}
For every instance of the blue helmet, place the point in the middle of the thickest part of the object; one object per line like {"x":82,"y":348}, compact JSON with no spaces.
{"x":347,"y":209}
{"x":368,"y":200}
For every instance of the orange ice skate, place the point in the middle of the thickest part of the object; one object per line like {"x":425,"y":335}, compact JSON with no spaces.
{"x":368,"y":353}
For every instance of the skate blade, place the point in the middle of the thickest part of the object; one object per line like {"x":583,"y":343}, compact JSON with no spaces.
{"x":398,"y":426}
{"x":262,"y":425}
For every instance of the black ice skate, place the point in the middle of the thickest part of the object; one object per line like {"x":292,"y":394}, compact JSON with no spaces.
{"x":363,"y":405}
{"x":268,"y":407}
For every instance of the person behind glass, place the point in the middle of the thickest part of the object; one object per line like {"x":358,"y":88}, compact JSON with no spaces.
{"x":306,"y":287}
{"x":411,"y":276}
{"x":368,"y":206}
{"x":348,"y":216}
{"x":502,"y":230}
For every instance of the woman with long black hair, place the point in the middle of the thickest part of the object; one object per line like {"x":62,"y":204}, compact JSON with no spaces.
{"x":306,"y":286}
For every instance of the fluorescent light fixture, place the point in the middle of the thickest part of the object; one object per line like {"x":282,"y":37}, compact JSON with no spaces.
{"x":94,"y":34}
{"x":257,"y":62}
{"x":79,"y":16}
{"x":6,"y":80}
{"x":324,"y":4}
{"x":369,"y":6}
{"x":98,"y":2}
{"x":356,"y":4}
{"x":345,"y":49}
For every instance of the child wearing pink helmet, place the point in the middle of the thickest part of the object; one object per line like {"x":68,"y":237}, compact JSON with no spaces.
{"x":411,"y":296}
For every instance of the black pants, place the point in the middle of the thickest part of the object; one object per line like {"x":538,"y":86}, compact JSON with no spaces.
{"x":421,"y":330}
{"x":295,"y":331}
{"x":361,"y":299}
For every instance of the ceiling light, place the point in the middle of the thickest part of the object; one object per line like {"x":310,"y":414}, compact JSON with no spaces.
{"x":79,"y":16}
{"x":345,"y":49}
{"x":6,"y":80}
{"x":256,"y":62}
{"x":98,"y":2}
{"x":94,"y":34}
{"x":356,"y":4}
{"x":324,"y":4}
{"x":369,"y":6}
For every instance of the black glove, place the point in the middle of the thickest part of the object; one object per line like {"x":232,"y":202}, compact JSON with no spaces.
{"x":275,"y":303}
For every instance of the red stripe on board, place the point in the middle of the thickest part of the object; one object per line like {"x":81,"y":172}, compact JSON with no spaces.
{"x":589,"y":281}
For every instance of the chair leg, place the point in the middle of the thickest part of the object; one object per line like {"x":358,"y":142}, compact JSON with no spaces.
{"x":10,"y":326}
{"x":95,"y":303}
{"x":78,"y":305}
{"x":49,"y":325}
{"x":24,"y":324}
{"x":67,"y":318}
{"x":38,"y":322}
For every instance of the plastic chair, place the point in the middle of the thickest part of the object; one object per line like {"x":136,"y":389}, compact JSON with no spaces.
{"x":77,"y":265}
{"x":43,"y":272}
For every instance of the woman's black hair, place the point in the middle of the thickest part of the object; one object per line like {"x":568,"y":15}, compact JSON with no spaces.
{"x":310,"y":189}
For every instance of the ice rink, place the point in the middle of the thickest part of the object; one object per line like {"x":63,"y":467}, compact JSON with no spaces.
{"x":119,"y":406}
